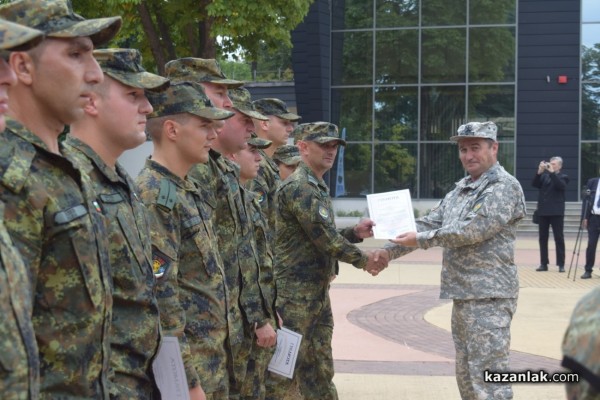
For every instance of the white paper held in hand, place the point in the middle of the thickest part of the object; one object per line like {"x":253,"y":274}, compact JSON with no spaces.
{"x":392,"y":213}
{"x":283,"y":361}
{"x":169,"y":372}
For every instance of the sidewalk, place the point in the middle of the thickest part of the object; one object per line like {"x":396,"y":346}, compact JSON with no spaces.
{"x":392,"y":332}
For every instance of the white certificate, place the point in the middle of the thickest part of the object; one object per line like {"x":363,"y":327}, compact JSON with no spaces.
{"x":283,"y":361}
{"x":392,"y":213}
{"x":169,"y":372}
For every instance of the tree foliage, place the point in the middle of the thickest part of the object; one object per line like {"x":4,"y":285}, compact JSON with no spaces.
{"x":167,"y":29}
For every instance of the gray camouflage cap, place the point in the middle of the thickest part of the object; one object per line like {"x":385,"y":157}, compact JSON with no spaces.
{"x":287,"y":154}
{"x":57,"y":20}
{"x":185,"y":97}
{"x":485,"y":130}
{"x":242,"y":101}
{"x":125,"y":65}
{"x":198,"y":70}
{"x":259,"y":143}
{"x":17,"y":37}
{"x":272,"y":106}
{"x":320,"y":132}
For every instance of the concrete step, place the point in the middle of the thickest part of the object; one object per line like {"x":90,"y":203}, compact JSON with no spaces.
{"x":572,"y":217}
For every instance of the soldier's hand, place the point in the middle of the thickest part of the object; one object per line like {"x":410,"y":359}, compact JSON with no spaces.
{"x":364,"y":229}
{"x":377,"y":262}
{"x":408,"y":239}
{"x":266,"y":336}
{"x":197,"y":393}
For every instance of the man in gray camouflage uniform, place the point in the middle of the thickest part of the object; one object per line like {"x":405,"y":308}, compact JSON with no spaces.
{"x":307,"y":249}
{"x":191,"y":291}
{"x":115,"y":121}
{"x":581,"y":348}
{"x":476,"y":223}
{"x":50,"y":207}
{"x":19,"y":377}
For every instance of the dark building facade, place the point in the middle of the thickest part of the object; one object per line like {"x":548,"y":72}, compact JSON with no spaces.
{"x":399,"y":77}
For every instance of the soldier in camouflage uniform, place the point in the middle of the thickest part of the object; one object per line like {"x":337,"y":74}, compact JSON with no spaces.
{"x":115,"y":121}
{"x":220,"y":179}
{"x":277,"y":129}
{"x":307,"y":248}
{"x":192,"y":294}
{"x":287,"y":158}
{"x":249,"y":160}
{"x":50,"y":207}
{"x":476,"y":223}
{"x":19,"y":372}
{"x":581,"y":348}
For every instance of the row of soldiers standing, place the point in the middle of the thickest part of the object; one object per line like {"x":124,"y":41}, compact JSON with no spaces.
{"x":96,"y":267}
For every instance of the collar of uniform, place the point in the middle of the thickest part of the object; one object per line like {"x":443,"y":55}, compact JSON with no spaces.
{"x":184,"y":184}
{"x":84,"y":148}
{"x":312,"y":177}
{"x":491,"y":175}
{"x":21,"y":130}
{"x":269,"y":160}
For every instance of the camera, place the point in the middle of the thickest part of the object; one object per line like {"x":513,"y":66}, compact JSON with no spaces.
{"x":547,"y":165}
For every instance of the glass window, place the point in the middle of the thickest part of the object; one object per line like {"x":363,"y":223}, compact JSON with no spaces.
{"x":506,"y":156}
{"x":357,"y":171}
{"x":442,"y":111}
{"x":352,"y":58}
{"x":395,"y":167}
{"x":397,"y":57}
{"x":396,"y":13}
{"x":590,"y":161}
{"x":440,"y":168}
{"x":352,"y":109}
{"x":590,"y":57}
{"x":443,"y":55}
{"x":590,"y":11}
{"x":444,"y":12}
{"x":351,"y":14}
{"x":492,"y":55}
{"x":494,"y":103}
{"x":396,"y":113}
{"x":492,"y":12}
{"x":590,"y":111}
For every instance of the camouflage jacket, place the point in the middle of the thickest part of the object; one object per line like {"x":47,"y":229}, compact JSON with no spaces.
{"x":476,"y":223}
{"x":235,"y":240}
{"x":308,"y":244}
{"x":52,"y":219}
{"x":19,"y":363}
{"x":192,"y":294}
{"x":581,"y":347}
{"x":265,"y":185}
{"x":135,"y":331}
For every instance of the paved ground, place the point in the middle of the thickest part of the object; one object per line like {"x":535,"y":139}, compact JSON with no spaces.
{"x":392,"y":335}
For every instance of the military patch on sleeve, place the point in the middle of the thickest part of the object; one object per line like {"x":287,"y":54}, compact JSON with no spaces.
{"x":160,"y":263}
{"x":261,"y":196}
{"x":324,"y":212}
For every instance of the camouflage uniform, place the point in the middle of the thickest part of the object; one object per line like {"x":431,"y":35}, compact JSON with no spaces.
{"x":192,"y":294}
{"x":135,"y":331}
{"x":476,"y":223}
{"x":307,"y":248}
{"x":52,"y":218}
{"x":19,"y":363}
{"x":287,"y":154}
{"x":581,"y":348}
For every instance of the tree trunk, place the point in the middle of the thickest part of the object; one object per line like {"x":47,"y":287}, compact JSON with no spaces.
{"x":153,"y":38}
{"x":208,"y":48}
{"x":167,"y":41}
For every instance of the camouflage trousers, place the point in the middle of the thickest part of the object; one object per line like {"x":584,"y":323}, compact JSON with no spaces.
{"x":237,"y":365}
{"x":481,"y":333}
{"x":253,"y":387}
{"x":314,"y":366}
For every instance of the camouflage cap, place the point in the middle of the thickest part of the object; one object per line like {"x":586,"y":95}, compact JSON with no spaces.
{"x":272,"y":106}
{"x":287,"y":154}
{"x":198,"y":70}
{"x":56,"y":19}
{"x":259,"y":143}
{"x":18,"y":37}
{"x":485,"y":130}
{"x":320,"y":132}
{"x":125,"y":65}
{"x":185,"y":97}
{"x":242,"y":101}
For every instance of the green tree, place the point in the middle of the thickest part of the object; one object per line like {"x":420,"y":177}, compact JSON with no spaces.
{"x":167,"y":29}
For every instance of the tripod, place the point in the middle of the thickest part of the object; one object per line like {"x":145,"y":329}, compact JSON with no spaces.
{"x":577,"y":247}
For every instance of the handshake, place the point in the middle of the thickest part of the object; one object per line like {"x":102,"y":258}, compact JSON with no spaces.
{"x":377,"y":262}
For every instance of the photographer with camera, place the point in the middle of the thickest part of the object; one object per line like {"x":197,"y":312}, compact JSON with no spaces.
{"x":551,"y":209}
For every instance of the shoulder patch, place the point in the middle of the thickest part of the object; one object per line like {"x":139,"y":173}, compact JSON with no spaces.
{"x":260,"y":195}
{"x":160,"y":263}
{"x":167,"y":195}
{"x":324,"y":212}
